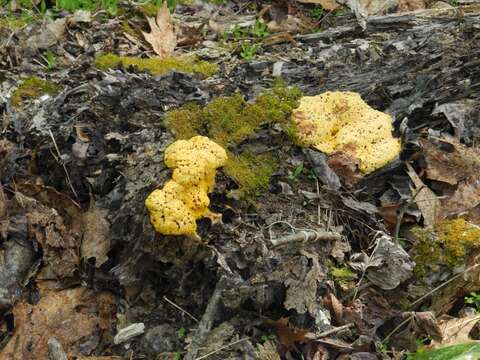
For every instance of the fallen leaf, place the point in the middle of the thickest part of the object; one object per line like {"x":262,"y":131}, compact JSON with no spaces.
{"x":456,"y":165}
{"x":49,"y":196}
{"x":369,"y":311}
{"x":425,"y":198}
{"x":162,"y":36}
{"x":326,"y":4}
{"x":78,"y":318}
{"x":411,"y":326}
{"x":96,"y":235}
{"x":427,"y":323}
{"x":455,"y":330}
{"x":335,"y":307}
{"x":302,"y":284}
{"x":461,"y":114}
{"x":410,"y":5}
{"x":464,"y":199}
{"x":60,"y":245}
{"x":267,"y":351}
{"x":445,"y":166}
{"x":79,"y":16}
{"x":387,"y":267}
{"x":346,"y":166}
{"x":287,"y":335}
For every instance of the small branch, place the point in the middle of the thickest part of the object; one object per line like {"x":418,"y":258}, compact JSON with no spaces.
{"x":306,"y":236}
{"x":221,"y":348}
{"x":407,"y":320}
{"x":442,"y":285}
{"x":179,"y":308}
{"x":207,"y":320}
{"x":332,"y":331}
{"x":63,"y":163}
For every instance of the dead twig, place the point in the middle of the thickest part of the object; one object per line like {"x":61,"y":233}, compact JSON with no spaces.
{"x":302,"y":235}
{"x":179,"y":308}
{"x":331,"y":331}
{"x":407,"y":320}
{"x":442,"y":285}
{"x":220,"y":349}
{"x":59,"y":159}
{"x":305,"y":236}
{"x":207,"y":320}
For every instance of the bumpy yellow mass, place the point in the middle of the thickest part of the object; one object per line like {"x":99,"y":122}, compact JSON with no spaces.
{"x":184,"y":199}
{"x":342,"y":121}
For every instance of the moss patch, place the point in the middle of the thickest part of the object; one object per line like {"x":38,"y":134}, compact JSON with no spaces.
{"x":126,"y":28}
{"x":157,"y":66}
{"x":447,"y":244}
{"x":12,"y":23}
{"x":149,"y":9}
{"x":252,"y":172}
{"x":344,"y":277}
{"x":229,"y":121}
{"x":33,"y":88}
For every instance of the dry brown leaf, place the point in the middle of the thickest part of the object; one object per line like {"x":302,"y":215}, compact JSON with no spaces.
{"x":411,"y":5}
{"x":78,"y":318}
{"x":326,"y":4}
{"x":346,"y":166}
{"x":60,"y":245}
{"x":425,"y":198}
{"x":162,"y":36}
{"x":457,"y":166}
{"x":49,"y":196}
{"x":335,"y":307}
{"x":267,"y":351}
{"x":302,"y":283}
{"x":455,"y":330}
{"x":448,"y":295}
{"x":287,"y":335}
{"x":96,"y":236}
{"x":465,"y":198}
{"x":445,"y":166}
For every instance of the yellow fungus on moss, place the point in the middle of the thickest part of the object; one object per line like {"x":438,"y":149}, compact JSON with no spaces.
{"x":33,"y":88}
{"x":175,"y":208}
{"x":229,"y":120}
{"x":342,"y":121}
{"x":157,"y":66}
{"x":447,"y":244}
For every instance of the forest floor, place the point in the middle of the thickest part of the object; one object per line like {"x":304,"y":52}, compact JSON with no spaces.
{"x":314,"y":258}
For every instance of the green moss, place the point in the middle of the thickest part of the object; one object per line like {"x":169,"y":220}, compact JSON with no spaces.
{"x":149,"y":9}
{"x":231,"y":120}
{"x":344,"y":277}
{"x":157,"y":66}
{"x":447,"y":244}
{"x":342,"y":273}
{"x":33,"y":88}
{"x":11,"y":22}
{"x":126,"y":28}
{"x":251,"y":172}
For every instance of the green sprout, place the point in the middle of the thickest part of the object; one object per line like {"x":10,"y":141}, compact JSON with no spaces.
{"x":248,"y":50}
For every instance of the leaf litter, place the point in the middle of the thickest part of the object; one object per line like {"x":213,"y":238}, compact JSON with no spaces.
{"x":77,"y":165}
